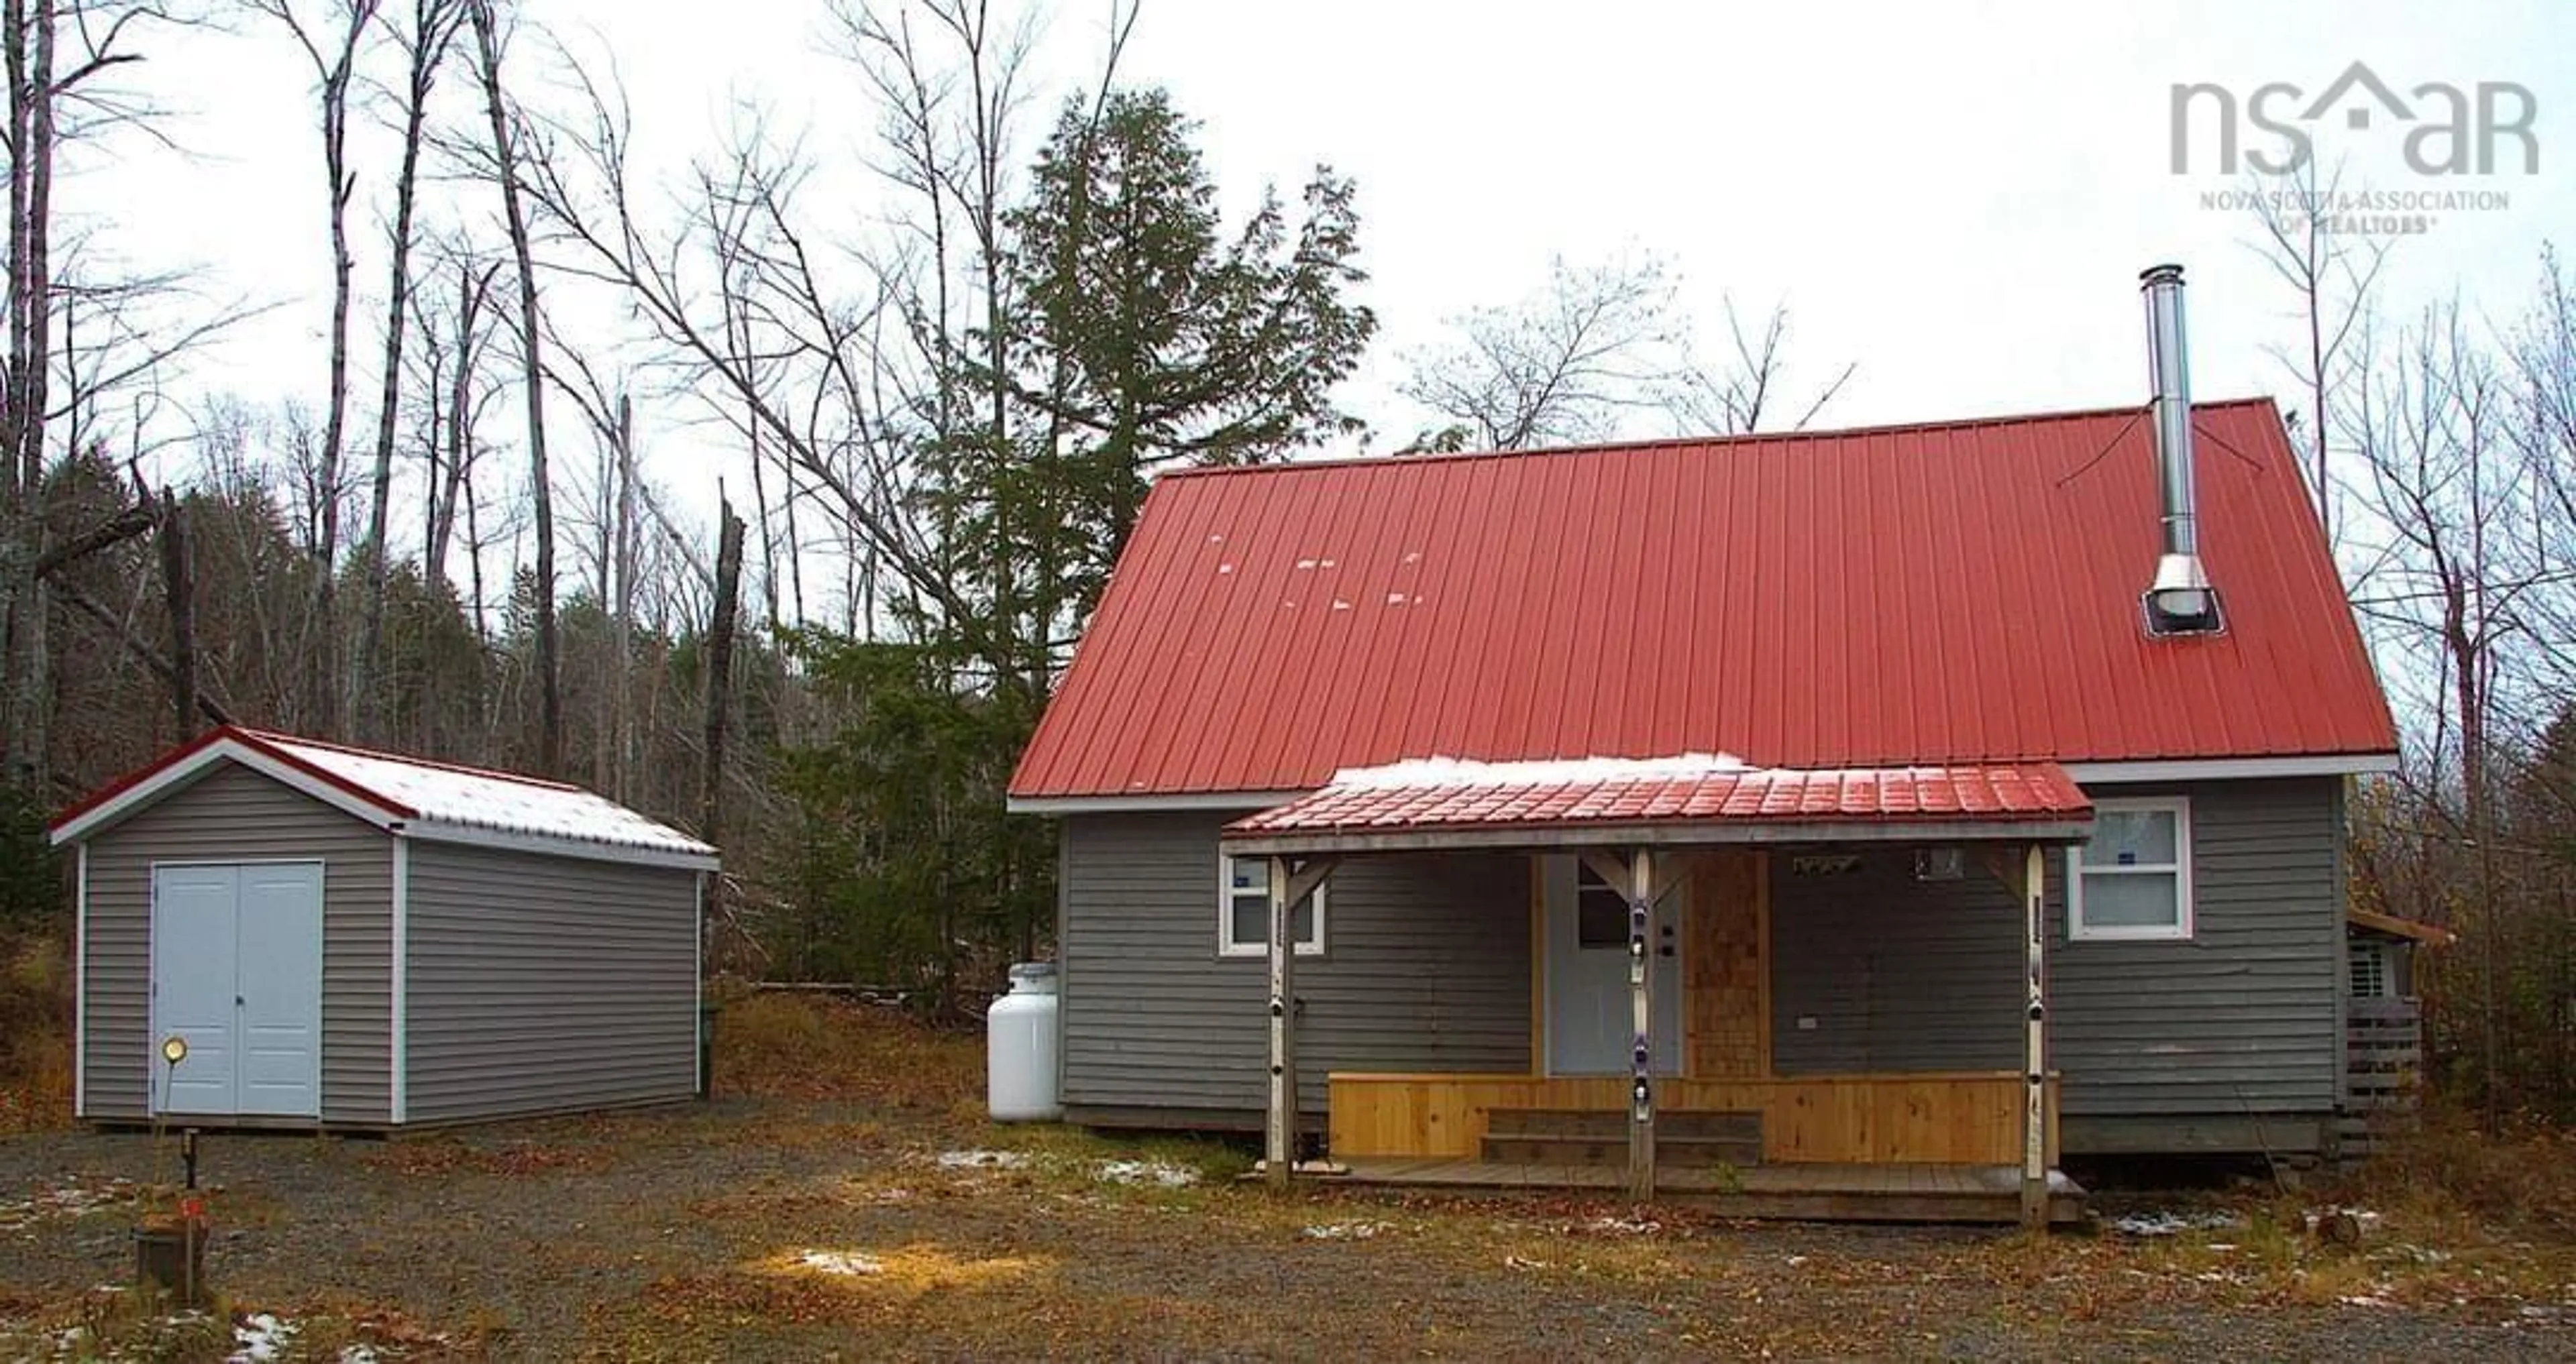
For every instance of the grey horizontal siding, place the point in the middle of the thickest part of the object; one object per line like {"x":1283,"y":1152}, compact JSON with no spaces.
{"x":1875,"y":971}
{"x":546,"y":984}
{"x":1426,"y":968}
{"x":233,"y":814}
{"x":2243,"y":1018}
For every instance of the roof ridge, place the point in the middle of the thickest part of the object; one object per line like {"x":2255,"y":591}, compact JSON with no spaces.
{"x":406,"y":760}
{"x":1693,"y":442}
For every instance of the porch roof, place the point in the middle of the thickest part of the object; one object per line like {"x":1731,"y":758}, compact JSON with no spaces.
{"x":1666,"y":802}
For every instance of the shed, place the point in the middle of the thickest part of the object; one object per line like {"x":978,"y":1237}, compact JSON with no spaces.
{"x":355,"y":940}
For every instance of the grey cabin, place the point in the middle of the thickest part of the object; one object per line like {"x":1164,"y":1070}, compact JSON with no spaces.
{"x":278,"y":932}
{"x":1946,"y":796}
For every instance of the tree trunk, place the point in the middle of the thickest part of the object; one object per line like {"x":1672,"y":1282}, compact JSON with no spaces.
{"x":427,"y":46}
{"x":506,"y":170}
{"x":328,"y":677}
{"x":622,"y":664}
{"x":458,"y":427}
{"x":719,"y":670}
{"x":25,"y":681}
{"x":178,"y":588}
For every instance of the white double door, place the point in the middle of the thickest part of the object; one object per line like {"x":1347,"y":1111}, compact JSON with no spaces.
{"x":237,"y":976}
{"x":1591,"y":1012}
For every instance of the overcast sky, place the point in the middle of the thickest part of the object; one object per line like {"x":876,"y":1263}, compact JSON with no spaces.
{"x":1954,"y":198}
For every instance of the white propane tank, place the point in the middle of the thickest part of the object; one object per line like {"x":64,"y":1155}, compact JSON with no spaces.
{"x":1019,"y":1048}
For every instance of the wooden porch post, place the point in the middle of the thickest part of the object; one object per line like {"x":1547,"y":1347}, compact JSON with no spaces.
{"x":1281,"y":1144}
{"x":1641,"y":1003}
{"x":1287,"y":890}
{"x":2034,"y":1113}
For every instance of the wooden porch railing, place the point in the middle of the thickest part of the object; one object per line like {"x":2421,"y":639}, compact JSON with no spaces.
{"x":1965,"y":1117}
{"x":2383,"y":1070}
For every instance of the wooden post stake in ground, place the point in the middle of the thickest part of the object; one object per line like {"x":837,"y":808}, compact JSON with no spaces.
{"x":1281,"y":1146}
{"x":1641,"y":1002}
{"x":2034,"y":1115}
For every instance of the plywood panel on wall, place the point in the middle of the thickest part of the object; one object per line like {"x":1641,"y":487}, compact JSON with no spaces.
{"x":1728,"y":967}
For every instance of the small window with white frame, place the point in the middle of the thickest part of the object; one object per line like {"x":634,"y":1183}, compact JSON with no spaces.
{"x":2371,"y":978}
{"x":2133,"y":880}
{"x":1243,"y":912}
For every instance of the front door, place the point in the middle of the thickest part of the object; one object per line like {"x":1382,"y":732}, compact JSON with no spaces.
{"x":237,"y":974}
{"x":1590,"y":1015}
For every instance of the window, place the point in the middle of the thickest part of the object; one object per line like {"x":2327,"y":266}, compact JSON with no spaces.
{"x":1600,"y":913}
{"x":1243,"y":912}
{"x":2134,"y":879}
{"x":2370,"y":970}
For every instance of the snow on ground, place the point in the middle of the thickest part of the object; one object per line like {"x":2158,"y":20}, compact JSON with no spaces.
{"x":1345,"y":1231}
{"x":844,"y":1262}
{"x":1157,"y":1172}
{"x":261,"y":1337}
{"x":983,"y":1160}
{"x":1536,"y":772}
{"x":2172,"y":1223}
{"x":68,"y":1200}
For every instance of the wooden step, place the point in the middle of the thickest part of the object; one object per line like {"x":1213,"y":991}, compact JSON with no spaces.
{"x":1694,"y":1152}
{"x":1612,"y":1124}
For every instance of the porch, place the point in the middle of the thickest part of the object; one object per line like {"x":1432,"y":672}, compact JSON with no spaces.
{"x":1653,"y":1064}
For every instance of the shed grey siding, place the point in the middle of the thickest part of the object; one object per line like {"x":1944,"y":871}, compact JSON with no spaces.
{"x":1426,"y":967}
{"x":544,"y":984}
{"x":1875,"y":971}
{"x":233,"y":814}
{"x":2245,"y":1017}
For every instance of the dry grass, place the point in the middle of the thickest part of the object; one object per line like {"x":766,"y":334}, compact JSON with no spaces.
{"x":35,"y":1035}
{"x":2449,"y":1170}
{"x":824,"y":1220}
{"x":777,"y":1045}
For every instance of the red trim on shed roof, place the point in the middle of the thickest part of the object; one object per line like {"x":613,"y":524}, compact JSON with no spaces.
{"x":265,"y":743}
{"x":1951,"y":594}
{"x":1916,"y":795}
{"x":407,"y":760}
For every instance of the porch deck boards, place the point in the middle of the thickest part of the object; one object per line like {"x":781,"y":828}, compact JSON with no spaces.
{"x":1807,"y":1191}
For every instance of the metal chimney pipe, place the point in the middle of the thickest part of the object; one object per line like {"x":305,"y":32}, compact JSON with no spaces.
{"x":2179,"y":599}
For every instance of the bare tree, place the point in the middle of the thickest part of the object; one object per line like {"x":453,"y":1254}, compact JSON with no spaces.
{"x":609,"y":410}
{"x":334,"y":56}
{"x":424,"y":46}
{"x":1594,"y":352}
{"x":2451,"y":583}
{"x":455,"y":333}
{"x":506,"y":172}
{"x":843,"y":424}
{"x":62,"y":61}
{"x":2332,"y":275}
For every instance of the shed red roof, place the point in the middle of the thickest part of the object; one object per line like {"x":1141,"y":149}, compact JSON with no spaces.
{"x":1915,"y":795}
{"x":1962,"y":593}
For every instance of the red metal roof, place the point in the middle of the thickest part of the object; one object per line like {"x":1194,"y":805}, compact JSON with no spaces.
{"x":1944,"y":594}
{"x":1914,"y":795}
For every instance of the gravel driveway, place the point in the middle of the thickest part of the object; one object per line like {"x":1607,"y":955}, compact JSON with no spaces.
{"x":806,"y":1230}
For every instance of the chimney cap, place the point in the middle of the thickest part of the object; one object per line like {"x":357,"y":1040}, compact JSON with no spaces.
{"x":2153,"y":275}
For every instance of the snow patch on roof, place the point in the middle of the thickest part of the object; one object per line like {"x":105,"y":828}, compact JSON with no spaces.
{"x":1436,"y":771}
{"x":496,"y":801}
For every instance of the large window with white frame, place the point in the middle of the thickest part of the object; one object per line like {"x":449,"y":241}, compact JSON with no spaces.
{"x":1243,"y":911}
{"x":2133,"y":880}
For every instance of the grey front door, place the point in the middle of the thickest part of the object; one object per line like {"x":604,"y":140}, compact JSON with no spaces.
{"x":1590,"y":1014}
